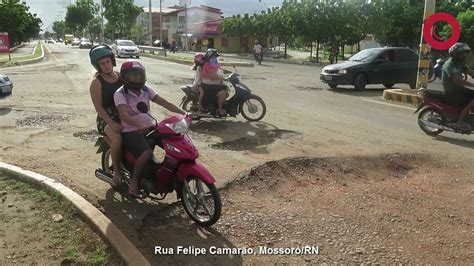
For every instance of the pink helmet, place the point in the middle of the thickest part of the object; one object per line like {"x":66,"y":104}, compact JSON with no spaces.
{"x":199,"y":59}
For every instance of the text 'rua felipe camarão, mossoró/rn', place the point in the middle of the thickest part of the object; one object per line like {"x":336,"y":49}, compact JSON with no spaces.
{"x":213,"y":250}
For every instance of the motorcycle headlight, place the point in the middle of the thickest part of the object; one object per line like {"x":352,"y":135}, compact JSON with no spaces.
{"x":179,"y":127}
{"x":342,"y":71}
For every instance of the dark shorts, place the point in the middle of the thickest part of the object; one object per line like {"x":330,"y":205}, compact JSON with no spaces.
{"x":211,"y":91}
{"x":135,"y":143}
{"x":460,"y":99}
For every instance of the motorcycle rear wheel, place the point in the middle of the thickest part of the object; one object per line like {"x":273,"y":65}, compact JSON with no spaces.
{"x":425,"y":115}
{"x":252,"y":108}
{"x":194,"y":198}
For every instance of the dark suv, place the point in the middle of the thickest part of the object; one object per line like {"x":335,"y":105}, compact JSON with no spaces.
{"x":386,"y":66}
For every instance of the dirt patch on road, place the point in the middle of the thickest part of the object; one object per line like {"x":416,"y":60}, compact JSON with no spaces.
{"x":91,"y":135}
{"x":40,"y":228}
{"x":388,"y":209}
{"x":48,"y":121}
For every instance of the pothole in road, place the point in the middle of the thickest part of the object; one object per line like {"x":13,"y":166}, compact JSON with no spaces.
{"x":303,"y":88}
{"x":91,"y":135}
{"x":261,"y":138}
{"x":41,"y":121}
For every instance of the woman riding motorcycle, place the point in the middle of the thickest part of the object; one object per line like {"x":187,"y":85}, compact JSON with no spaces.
{"x":106,"y":82}
{"x":455,"y":91}
{"x":209,"y":76}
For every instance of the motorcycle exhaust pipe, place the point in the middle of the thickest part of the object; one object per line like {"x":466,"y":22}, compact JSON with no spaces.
{"x":104,"y":176}
{"x":436,"y":126}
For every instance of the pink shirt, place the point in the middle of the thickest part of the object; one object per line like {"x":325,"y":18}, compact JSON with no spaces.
{"x":131,"y":100}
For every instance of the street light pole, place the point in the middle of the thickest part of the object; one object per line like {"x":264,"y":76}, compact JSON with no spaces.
{"x":425,"y":49}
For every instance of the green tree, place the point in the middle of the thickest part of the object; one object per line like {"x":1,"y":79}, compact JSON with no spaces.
{"x":121,"y":15}
{"x":466,"y":19}
{"x":94,"y":27}
{"x":138,"y":33}
{"x":401,"y":22}
{"x":16,"y":19}
{"x":79,"y":14}
{"x":59,"y":27}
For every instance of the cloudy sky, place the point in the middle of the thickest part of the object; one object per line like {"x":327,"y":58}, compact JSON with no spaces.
{"x":52,"y":10}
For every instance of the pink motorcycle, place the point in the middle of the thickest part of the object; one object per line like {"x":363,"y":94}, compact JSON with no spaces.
{"x":179,"y":171}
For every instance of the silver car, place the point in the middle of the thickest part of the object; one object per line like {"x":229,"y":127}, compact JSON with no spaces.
{"x":6,"y":86}
{"x":125,"y":48}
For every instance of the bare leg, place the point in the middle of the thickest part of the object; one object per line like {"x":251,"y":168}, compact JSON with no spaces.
{"x":201,"y":96}
{"x":134,"y":188}
{"x":115,"y":151}
{"x":222,"y":95}
{"x":464,"y":112}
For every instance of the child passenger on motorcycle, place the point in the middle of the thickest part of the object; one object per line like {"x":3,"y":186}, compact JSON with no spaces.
{"x":210,"y":78}
{"x":134,"y":123}
{"x":454,"y":85}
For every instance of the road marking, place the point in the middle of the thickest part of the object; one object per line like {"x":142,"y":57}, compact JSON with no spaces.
{"x":389,"y":104}
{"x":49,"y":51}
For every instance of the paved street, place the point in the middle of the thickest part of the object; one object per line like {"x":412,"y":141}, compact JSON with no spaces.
{"x":319,"y":121}
{"x":46,"y":126}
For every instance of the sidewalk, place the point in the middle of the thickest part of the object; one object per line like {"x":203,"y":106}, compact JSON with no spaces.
{"x":27,"y":54}
{"x":25,"y":50}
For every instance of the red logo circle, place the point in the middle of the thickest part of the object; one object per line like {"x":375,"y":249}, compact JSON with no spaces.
{"x":455,"y":28}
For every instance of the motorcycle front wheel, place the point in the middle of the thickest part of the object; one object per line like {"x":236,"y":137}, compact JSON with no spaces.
{"x":253,"y":109}
{"x":201,"y":201}
{"x":429,"y":115}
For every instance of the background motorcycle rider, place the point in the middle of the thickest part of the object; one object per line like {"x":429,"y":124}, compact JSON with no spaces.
{"x":199,"y":61}
{"x":106,"y":82}
{"x":454,"y":85}
{"x":211,"y":78}
{"x":134,"y":123}
{"x":257,"y":48}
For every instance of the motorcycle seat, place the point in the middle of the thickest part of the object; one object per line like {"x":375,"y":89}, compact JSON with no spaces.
{"x":436,"y":95}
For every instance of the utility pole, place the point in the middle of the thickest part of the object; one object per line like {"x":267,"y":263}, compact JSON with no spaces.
{"x":185,"y":3}
{"x":161,"y":24}
{"x":425,"y":49}
{"x":150,"y":29}
{"x":102,"y":37}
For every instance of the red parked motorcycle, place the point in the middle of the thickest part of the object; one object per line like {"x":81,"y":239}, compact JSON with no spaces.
{"x":179,"y":171}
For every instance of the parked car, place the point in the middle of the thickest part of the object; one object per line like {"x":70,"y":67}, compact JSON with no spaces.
{"x":51,"y":41}
{"x":6,"y":86}
{"x":76,"y":41}
{"x":387,"y":66}
{"x":85,"y":43}
{"x":125,"y":48}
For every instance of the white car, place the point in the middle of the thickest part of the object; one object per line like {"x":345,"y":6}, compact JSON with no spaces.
{"x":6,"y":86}
{"x":76,"y":41}
{"x":125,"y":48}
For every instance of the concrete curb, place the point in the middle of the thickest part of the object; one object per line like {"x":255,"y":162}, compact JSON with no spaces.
{"x":96,"y":219}
{"x":190,"y":62}
{"x":27,"y":61}
{"x":16,"y":47}
{"x":401,"y":95}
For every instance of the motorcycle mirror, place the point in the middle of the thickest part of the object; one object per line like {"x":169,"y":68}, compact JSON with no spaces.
{"x":142,"y":107}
